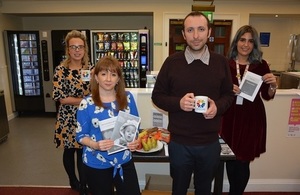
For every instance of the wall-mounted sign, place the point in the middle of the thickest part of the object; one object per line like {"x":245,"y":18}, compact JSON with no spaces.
{"x":265,"y":39}
{"x":209,"y":15}
{"x":294,"y":119}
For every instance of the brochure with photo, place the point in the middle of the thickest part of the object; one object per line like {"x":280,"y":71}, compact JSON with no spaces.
{"x":250,"y":85}
{"x":122,"y":129}
{"x":107,"y":127}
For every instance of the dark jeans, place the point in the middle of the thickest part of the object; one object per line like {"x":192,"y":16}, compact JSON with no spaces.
{"x":203,"y":161}
{"x":101,"y":181}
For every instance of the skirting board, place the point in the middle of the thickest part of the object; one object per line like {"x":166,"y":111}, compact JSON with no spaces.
{"x":12,"y":116}
{"x":262,"y":185}
{"x":272,"y":185}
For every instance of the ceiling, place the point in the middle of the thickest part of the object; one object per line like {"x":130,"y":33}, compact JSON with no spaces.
{"x":275,"y":15}
{"x":239,"y":1}
{"x":168,"y":0}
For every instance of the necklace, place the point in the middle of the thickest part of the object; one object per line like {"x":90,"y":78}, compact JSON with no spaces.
{"x":238,"y":74}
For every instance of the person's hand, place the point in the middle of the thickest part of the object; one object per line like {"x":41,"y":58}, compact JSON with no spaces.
{"x":211,"y":111}
{"x":105,"y":144}
{"x":270,"y":79}
{"x":187,"y":102}
{"x":133,"y":145}
{"x":236,"y":90}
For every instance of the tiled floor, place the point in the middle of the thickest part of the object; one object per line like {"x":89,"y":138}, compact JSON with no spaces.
{"x":29,"y":156}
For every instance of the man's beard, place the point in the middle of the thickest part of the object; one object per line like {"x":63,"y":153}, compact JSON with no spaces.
{"x":195,"y":49}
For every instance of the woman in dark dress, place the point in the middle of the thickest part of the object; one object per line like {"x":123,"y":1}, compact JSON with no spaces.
{"x":244,"y":124}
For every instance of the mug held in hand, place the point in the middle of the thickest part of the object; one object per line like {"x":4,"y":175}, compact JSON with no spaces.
{"x":201,"y":103}
{"x":85,"y":75}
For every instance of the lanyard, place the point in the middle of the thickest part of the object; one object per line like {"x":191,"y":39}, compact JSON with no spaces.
{"x":238,"y":74}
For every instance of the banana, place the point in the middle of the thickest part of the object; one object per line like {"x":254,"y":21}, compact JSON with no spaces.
{"x":145,"y":145}
{"x":149,"y":143}
{"x":148,"y":138}
{"x":143,"y":133}
{"x":154,"y":142}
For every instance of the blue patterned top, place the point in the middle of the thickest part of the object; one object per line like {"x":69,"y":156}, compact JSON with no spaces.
{"x":88,"y":117}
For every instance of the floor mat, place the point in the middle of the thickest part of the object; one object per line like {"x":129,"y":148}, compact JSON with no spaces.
{"x":36,"y":190}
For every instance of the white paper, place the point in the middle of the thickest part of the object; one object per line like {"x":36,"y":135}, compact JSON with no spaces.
{"x":166,"y":147}
{"x":226,"y":150}
{"x":107,"y":127}
{"x":159,"y":119}
{"x":250,"y":85}
{"x":123,"y":119}
{"x":111,"y":128}
{"x":239,"y":100}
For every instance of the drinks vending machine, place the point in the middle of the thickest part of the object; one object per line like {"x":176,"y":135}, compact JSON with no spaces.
{"x":25,"y":70}
{"x":130,"y":47}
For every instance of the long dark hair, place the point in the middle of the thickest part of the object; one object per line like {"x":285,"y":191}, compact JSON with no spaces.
{"x":109,"y":63}
{"x":256,"y":55}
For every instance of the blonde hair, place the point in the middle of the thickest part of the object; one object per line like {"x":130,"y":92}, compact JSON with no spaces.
{"x":76,"y":34}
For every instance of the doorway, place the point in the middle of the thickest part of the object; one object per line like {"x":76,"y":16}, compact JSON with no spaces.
{"x":218,"y":42}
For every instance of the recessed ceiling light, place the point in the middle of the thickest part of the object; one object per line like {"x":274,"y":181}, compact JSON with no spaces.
{"x":276,"y":16}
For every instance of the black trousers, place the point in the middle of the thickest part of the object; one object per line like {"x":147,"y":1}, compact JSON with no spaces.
{"x":101,"y":181}
{"x":69,"y":164}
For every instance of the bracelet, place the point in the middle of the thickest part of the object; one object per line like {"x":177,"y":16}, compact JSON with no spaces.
{"x":273,"y":88}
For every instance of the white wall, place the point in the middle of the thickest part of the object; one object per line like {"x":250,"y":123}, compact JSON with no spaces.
{"x":11,"y":22}
{"x":276,"y":170}
{"x":40,"y":14}
{"x":280,"y":29}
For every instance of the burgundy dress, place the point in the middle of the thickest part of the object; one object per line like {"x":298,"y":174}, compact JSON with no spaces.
{"x":244,"y":126}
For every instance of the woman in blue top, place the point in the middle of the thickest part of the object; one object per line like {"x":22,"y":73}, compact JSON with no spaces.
{"x":105,"y":172}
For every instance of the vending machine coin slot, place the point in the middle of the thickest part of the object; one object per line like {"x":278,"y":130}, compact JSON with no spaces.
{"x":144,"y":57}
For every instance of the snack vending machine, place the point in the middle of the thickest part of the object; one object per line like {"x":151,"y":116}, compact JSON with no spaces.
{"x":130,"y":47}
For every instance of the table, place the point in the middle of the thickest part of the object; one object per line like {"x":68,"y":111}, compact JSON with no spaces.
{"x":159,"y":156}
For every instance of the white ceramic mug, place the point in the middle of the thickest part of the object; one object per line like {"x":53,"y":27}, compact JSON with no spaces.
{"x":85,"y":75}
{"x":201,"y":103}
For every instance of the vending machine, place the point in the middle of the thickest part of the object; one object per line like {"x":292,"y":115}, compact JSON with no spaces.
{"x":25,"y":71}
{"x":130,"y":47}
{"x":30,"y":70}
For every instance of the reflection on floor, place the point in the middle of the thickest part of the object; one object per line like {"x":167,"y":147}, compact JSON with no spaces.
{"x":29,"y":156}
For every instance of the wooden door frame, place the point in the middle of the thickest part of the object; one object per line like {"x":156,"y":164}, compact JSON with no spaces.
{"x":167,"y":16}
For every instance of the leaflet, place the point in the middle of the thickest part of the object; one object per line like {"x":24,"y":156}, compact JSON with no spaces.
{"x":122,"y":129}
{"x":250,"y":85}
